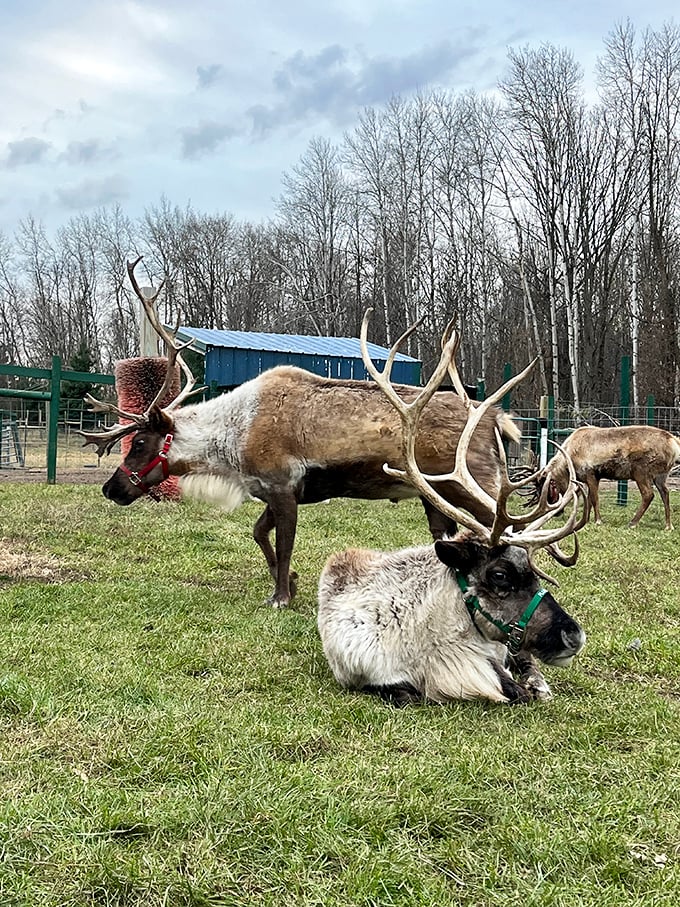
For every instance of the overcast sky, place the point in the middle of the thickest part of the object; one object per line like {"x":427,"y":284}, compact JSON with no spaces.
{"x":208,"y":102}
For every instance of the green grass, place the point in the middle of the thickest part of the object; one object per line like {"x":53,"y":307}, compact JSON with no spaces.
{"x":166,"y":738}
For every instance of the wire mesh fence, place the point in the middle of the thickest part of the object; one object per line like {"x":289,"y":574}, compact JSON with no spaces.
{"x":23,"y":435}
{"x":23,"y":431}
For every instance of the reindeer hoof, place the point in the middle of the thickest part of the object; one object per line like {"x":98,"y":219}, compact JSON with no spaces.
{"x":536,"y":686}
{"x":542,"y":694}
{"x":292,"y":584}
{"x":278,"y":603}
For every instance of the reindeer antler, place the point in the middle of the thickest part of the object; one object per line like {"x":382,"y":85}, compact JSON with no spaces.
{"x":173,"y":351}
{"x":105,"y":439}
{"x":532,"y":535}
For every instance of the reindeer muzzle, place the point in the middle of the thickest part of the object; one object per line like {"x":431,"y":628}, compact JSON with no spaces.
{"x":113,"y":490}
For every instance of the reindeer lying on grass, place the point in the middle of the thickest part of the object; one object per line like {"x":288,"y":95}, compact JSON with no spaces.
{"x":457,"y":620}
{"x":289,"y":437}
{"x":639,"y":452}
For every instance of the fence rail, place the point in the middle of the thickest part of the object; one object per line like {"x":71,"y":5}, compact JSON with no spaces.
{"x":25,"y":408}
{"x":40,"y":429}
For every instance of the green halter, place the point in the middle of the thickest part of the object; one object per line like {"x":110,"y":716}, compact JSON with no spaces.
{"x":515,"y":629}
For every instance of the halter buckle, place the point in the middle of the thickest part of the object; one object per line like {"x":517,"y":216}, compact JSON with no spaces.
{"x":515,"y":637}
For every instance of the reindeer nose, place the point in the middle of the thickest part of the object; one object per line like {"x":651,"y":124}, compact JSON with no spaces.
{"x":574,"y":640}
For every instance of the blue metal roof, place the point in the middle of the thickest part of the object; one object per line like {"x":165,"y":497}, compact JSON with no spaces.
{"x":232,"y":357}
{"x":347,"y":347}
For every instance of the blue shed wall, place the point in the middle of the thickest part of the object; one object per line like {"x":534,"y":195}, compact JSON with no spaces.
{"x":228,"y":367}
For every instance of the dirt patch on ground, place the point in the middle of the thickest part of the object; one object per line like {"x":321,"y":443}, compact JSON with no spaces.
{"x":15,"y":563}
{"x":83,"y":475}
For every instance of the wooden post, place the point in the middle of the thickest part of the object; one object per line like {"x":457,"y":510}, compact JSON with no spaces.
{"x":622,"y":492}
{"x":148,"y":338}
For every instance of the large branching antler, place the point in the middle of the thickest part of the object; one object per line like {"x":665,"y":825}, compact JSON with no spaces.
{"x":532,"y":533}
{"x":107,"y":437}
{"x":173,"y":351}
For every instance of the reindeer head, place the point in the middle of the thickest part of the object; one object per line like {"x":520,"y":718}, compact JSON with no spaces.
{"x":525,"y":530}
{"x":146,"y":462}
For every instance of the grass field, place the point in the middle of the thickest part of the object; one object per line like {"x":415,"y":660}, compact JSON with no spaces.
{"x":168,"y":739}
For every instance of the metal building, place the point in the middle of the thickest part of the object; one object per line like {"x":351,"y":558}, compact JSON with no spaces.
{"x":232,"y":357}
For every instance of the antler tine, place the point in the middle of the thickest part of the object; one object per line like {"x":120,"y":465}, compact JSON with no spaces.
{"x":410,"y":415}
{"x":382,"y":379}
{"x":100,"y":406}
{"x":461,"y":473}
{"x":174,"y":351}
{"x":534,"y":536}
{"x":544,"y":511}
{"x":149,"y":303}
{"x":105,"y":439}
{"x":549,"y":540}
{"x":449,"y":330}
{"x":540,"y":514}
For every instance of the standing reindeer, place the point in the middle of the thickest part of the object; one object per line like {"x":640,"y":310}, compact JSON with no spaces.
{"x":455,"y":620}
{"x":289,"y":437}
{"x":639,"y":452}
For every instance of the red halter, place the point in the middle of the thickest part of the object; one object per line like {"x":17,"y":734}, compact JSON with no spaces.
{"x":161,"y":457}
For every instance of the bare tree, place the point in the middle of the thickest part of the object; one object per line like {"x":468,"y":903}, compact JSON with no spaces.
{"x":12,"y":308}
{"x":542,"y":90}
{"x":640,"y":81}
{"x":314,"y":211}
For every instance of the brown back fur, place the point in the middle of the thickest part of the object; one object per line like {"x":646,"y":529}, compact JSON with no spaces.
{"x":350,"y":429}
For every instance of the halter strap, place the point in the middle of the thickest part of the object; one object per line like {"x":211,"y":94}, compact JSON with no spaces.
{"x":160,"y":458}
{"x":515,"y":630}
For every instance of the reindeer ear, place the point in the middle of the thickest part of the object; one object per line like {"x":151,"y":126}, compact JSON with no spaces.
{"x":160,"y":421}
{"x":460,"y":554}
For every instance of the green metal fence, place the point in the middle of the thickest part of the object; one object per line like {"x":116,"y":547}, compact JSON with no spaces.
{"x":43,"y":402}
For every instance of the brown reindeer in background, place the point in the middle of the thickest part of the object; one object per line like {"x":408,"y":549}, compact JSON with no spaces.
{"x":639,"y":452}
{"x":290,"y":437}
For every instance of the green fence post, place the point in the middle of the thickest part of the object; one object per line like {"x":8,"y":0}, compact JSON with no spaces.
{"x":53,"y":420}
{"x":650,"y":409}
{"x":622,"y":492}
{"x":481,"y":389}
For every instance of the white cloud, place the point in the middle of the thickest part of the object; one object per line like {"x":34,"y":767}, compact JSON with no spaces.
{"x":211,"y":101}
{"x":93,"y":193}
{"x":25,"y":152}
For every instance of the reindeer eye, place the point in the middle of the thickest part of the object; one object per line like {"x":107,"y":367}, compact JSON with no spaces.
{"x":500,"y":579}
{"x":138,"y":444}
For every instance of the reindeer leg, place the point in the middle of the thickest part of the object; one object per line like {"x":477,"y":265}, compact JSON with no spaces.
{"x":514,"y":691}
{"x":283,"y":516}
{"x":529,"y":677}
{"x":263,"y":527}
{"x":593,"y":502}
{"x":647,"y":494}
{"x":660,"y":482}
{"x":261,"y":530}
{"x":440,"y":525}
